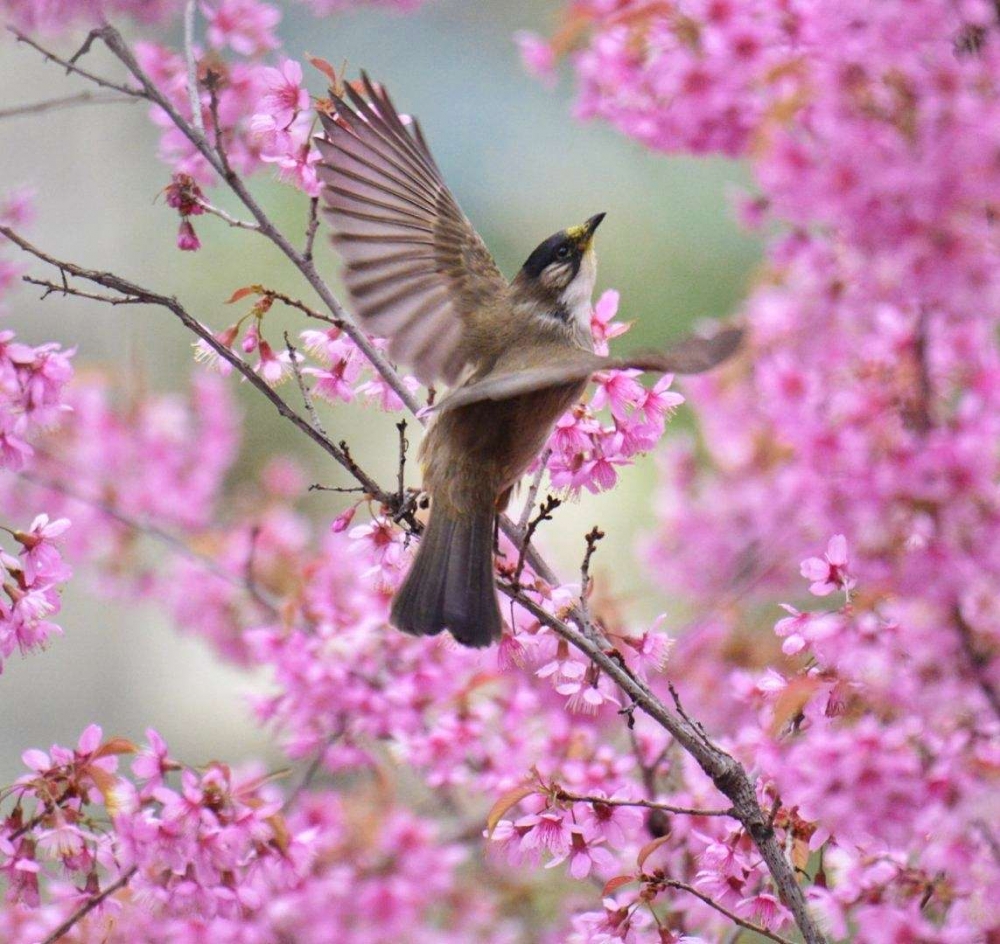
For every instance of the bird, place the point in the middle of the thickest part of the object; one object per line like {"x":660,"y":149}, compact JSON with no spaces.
{"x":515,"y":354}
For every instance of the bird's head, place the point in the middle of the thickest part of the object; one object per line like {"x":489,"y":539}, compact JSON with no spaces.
{"x":560,"y":274}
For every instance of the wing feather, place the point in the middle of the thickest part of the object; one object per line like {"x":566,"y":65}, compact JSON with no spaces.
{"x":416,"y":270}
{"x":692,"y":355}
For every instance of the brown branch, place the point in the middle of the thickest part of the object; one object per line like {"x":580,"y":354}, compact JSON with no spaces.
{"x":594,"y":535}
{"x":226,"y":217}
{"x":136,"y":293}
{"x":194,"y":99}
{"x":312,"y":227}
{"x":978,"y":662}
{"x":536,"y":484}
{"x":307,"y":399}
{"x":550,"y":504}
{"x":84,"y":910}
{"x":728,"y":775}
{"x":646,"y":804}
{"x":66,"y":101}
{"x":712,"y":903}
{"x":71,"y":67}
{"x":119,"y":48}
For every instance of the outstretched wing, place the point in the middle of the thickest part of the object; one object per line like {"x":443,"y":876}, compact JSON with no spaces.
{"x":416,"y":270}
{"x":693,"y":355}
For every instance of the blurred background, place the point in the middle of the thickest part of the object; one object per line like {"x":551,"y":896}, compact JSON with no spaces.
{"x":520,"y":165}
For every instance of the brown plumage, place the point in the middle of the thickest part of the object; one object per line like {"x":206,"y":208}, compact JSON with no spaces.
{"x":517,"y":354}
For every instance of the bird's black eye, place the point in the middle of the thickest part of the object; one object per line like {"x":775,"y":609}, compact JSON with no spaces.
{"x":562,"y":252}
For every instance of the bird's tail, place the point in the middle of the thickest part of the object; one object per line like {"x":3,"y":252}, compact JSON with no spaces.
{"x":450,"y":585}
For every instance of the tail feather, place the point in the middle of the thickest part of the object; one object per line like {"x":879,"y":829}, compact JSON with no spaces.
{"x":450,"y":585}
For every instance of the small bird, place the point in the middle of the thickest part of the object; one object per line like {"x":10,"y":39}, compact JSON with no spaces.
{"x":516,"y":354}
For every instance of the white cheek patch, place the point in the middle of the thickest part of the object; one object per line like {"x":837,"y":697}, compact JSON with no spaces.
{"x":577,"y":295}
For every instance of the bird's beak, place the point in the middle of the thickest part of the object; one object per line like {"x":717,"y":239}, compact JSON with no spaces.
{"x":584,"y":234}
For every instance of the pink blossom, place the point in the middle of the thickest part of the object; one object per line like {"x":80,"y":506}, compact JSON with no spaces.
{"x":187,"y":238}
{"x":284,"y":97}
{"x":829,"y":573}
{"x":246,"y":26}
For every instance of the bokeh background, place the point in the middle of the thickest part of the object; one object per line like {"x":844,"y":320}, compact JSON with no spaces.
{"x":521,"y":165}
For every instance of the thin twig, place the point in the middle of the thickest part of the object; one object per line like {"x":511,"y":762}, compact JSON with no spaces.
{"x":51,"y":288}
{"x":550,"y":504}
{"x":594,"y":535}
{"x":293,"y":356}
{"x":312,"y":226}
{"x":194,"y":99}
{"x":646,"y":804}
{"x":118,"y":47}
{"x":342,"y":490}
{"x":66,"y":101}
{"x":302,"y":306}
{"x":731,"y":915}
{"x":536,"y":483}
{"x":228,"y":218}
{"x":132,"y":291}
{"x":156,"y":533}
{"x":84,"y":910}
{"x":403,"y":446}
{"x":70,"y":65}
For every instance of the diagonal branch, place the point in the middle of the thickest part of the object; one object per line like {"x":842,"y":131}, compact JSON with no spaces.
{"x":731,"y":915}
{"x":136,"y":294}
{"x":71,"y":67}
{"x":65,"y":101}
{"x":301,"y":260}
{"x":85,"y":909}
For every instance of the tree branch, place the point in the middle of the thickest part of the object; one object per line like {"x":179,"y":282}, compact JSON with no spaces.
{"x":194,"y":99}
{"x":732,"y":916}
{"x":66,"y":101}
{"x":71,"y":67}
{"x":118,"y":47}
{"x":85,"y":910}
{"x":646,"y":804}
{"x":135,"y":294}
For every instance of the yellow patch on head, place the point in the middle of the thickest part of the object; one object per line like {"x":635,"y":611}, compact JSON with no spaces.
{"x":582,"y":235}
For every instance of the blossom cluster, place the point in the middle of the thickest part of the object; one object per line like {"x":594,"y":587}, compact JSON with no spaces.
{"x":850,"y":479}
{"x":585,"y":452}
{"x":866,"y":408}
{"x":245,"y":25}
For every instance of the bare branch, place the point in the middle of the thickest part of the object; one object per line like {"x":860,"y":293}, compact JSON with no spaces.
{"x":303,"y":389}
{"x":226,"y":217}
{"x":550,"y":504}
{"x":116,"y":44}
{"x":312,"y":226}
{"x":194,"y":99}
{"x":536,"y":483}
{"x":85,"y":910}
{"x":646,"y":804}
{"x":594,"y":535}
{"x":66,"y":101}
{"x":135,"y":293}
{"x":70,"y":66}
{"x":731,"y":915}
